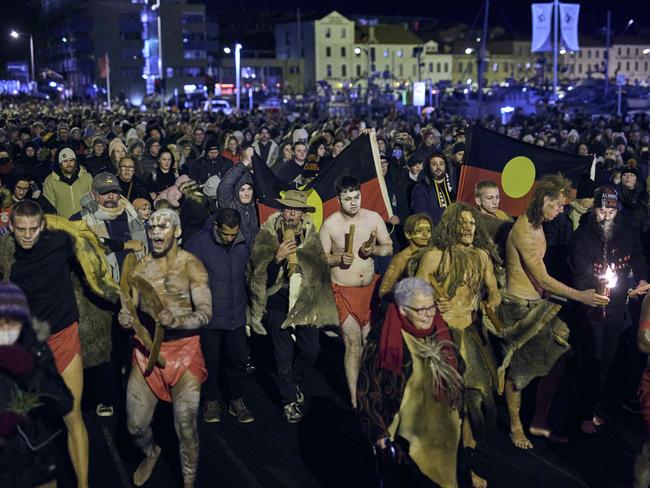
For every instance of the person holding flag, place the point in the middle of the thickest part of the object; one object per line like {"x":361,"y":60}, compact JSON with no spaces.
{"x":353,"y":272}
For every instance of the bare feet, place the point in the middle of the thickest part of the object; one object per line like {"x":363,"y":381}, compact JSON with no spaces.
{"x":477,"y":481}
{"x":588,"y":427}
{"x":520,"y":440}
{"x":145,"y":468}
{"x":548,"y":434}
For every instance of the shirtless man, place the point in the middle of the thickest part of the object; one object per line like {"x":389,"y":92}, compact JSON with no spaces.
{"x":538,"y":332}
{"x":487,"y":198}
{"x":353,"y":273}
{"x":181,"y":283}
{"x":417,"y":230}
{"x":459,"y":263}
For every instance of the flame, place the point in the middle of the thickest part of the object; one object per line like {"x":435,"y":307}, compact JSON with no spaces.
{"x":610,"y":276}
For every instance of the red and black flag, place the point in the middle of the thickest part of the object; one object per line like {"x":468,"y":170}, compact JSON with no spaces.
{"x":360,"y":159}
{"x":514,"y":166}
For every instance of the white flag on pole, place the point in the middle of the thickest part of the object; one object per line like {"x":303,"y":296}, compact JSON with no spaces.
{"x":569,"y":13}
{"x":542,"y":16}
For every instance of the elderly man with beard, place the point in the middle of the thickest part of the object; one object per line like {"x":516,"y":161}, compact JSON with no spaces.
{"x":410,"y":390}
{"x":459,"y":263}
{"x":180,"y":284}
{"x":353,"y":270}
{"x":534,"y":338}
{"x":290,"y":294}
{"x":603,"y":241}
{"x":115,"y":222}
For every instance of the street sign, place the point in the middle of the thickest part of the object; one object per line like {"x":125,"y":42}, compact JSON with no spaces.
{"x":621,"y":80}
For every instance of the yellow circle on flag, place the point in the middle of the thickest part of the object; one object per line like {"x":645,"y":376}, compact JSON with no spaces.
{"x":313,"y":200}
{"x":518,"y":176}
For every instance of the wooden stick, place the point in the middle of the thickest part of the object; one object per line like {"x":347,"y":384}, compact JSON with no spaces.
{"x":350,"y":239}
{"x":437,"y":287}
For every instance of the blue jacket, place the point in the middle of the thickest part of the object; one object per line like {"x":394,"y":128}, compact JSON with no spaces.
{"x":226,"y":266}
{"x":424,"y":198}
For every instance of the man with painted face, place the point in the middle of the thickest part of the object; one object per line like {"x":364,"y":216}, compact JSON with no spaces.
{"x":534,"y":337}
{"x":290,"y":294}
{"x":604,"y":240}
{"x":353,"y":270}
{"x":417,"y":229}
{"x":180,"y":282}
{"x":460,"y":264}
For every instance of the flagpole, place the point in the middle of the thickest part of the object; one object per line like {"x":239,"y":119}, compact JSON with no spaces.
{"x":108,"y":82}
{"x":556,"y":29}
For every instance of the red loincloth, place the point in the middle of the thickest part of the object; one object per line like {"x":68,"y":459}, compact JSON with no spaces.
{"x":355,"y":301}
{"x":64,"y":345}
{"x":180,"y":355}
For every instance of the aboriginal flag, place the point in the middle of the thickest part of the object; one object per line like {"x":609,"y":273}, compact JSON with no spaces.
{"x":360,"y":159}
{"x":514,"y":166}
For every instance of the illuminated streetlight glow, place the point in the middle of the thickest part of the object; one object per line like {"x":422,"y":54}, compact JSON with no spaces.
{"x":226,"y":50}
{"x":469,"y":50}
{"x":562,"y":51}
{"x":14,"y":34}
{"x":646,"y":50}
{"x":357,"y":50}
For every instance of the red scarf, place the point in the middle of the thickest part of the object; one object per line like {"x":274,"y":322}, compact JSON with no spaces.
{"x":391,"y":341}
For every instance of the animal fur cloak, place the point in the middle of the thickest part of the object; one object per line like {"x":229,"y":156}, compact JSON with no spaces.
{"x":314,"y":301}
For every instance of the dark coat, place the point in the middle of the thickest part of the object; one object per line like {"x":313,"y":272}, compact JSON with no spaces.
{"x":21,"y":466}
{"x":424,"y":198}
{"x":226,"y":266}
{"x":624,"y":252}
{"x":203,"y":168}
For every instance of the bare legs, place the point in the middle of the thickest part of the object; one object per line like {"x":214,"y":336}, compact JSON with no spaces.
{"x":354,"y":338}
{"x":73,"y":377}
{"x":140,"y":406}
{"x":545,"y":393}
{"x":513,"y":400}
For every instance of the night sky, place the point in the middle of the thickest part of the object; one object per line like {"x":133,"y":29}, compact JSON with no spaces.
{"x":514,"y":15}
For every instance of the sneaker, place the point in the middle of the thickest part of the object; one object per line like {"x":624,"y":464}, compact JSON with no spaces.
{"x":238,"y":409}
{"x":293,"y":413}
{"x":104,"y":410}
{"x":300,"y":397}
{"x":211,"y":412}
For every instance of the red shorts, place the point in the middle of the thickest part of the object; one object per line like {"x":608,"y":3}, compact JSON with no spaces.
{"x":65,"y":345}
{"x":180,"y":355}
{"x":355,"y":301}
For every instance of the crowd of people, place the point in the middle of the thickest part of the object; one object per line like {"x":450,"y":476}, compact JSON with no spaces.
{"x":132,"y":244}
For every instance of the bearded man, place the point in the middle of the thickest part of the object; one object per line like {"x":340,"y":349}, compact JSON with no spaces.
{"x":604,"y":247}
{"x":353,"y":271}
{"x":184,"y":305}
{"x":116,"y":224}
{"x":534,"y":337}
{"x":290,"y":291}
{"x":459,"y":263}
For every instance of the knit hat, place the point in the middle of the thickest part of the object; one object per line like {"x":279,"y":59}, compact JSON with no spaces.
{"x":172,"y":195}
{"x":630,"y":169}
{"x":605,"y":196}
{"x":13,"y":302}
{"x":458,"y":147}
{"x":138,"y":203}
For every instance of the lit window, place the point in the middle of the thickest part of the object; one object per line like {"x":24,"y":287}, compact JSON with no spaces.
{"x":386,"y":53}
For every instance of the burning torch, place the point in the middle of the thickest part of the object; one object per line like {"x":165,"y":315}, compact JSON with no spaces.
{"x":605,"y":282}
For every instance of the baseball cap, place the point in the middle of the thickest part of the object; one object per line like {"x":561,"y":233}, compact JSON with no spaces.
{"x":106,"y":182}
{"x":66,"y":153}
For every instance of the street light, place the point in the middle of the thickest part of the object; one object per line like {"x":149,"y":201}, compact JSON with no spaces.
{"x":469,"y":50}
{"x":226,"y":50}
{"x":15,"y":35}
{"x":238,"y":73}
{"x":646,"y":50}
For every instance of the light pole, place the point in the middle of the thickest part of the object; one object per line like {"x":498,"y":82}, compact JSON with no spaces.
{"x":160,"y":55}
{"x":238,"y":73}
{"x":357,"y":51}
{"x":608,"y":43}
{"x":15,"y":35}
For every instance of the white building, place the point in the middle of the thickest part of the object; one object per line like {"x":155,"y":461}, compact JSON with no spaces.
{"x":340,"y":52}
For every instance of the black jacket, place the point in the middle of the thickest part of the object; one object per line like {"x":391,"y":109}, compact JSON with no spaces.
{"x":22,"y":466}
{"x":226,"y":266}
{"x":624,"y":252}
{"x":203,"y":168}
{"x":43,"y":273}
